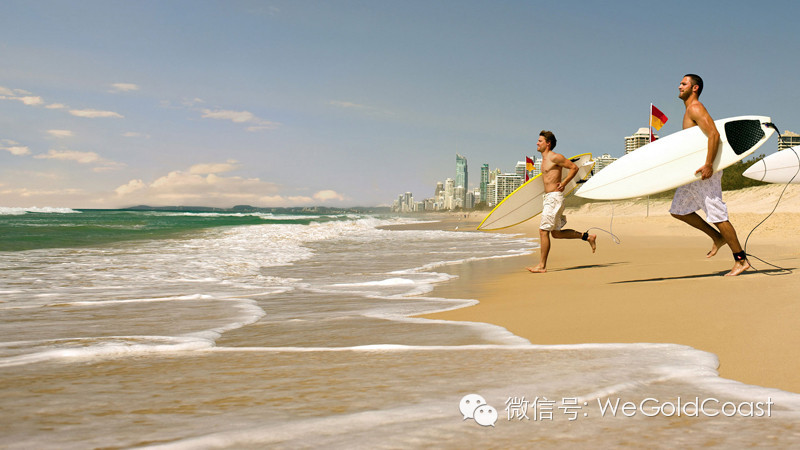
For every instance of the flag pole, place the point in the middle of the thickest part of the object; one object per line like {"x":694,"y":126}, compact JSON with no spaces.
{"x":650,"y":131}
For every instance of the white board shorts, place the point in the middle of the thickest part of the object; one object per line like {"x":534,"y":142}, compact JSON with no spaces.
{"x":553,"y":217}
{"x":701,"y":194}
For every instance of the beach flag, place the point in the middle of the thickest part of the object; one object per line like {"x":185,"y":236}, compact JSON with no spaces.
{"x":657,"y":120}
{"x":528,"y":167}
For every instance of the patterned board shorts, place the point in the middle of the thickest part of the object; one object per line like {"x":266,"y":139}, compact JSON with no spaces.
{"x":701,"y":194}
{"x":553,"y":217}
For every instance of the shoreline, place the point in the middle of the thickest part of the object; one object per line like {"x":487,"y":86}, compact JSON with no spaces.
{"x":656,"y":286}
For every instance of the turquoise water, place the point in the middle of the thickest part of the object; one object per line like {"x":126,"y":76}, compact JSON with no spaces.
{"x":65,"y":228}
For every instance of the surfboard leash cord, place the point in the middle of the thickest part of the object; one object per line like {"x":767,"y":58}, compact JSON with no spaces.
{"x":610,"y":230}
{"x":782,"y":269}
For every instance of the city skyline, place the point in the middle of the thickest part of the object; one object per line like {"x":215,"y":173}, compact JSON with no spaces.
{"x":631,"y":143}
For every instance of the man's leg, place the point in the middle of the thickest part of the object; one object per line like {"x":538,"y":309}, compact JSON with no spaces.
{"x":572,"y":234}
{"x":729,"y":234}
{"x":696,"y":221}
{"x":544,"y":249}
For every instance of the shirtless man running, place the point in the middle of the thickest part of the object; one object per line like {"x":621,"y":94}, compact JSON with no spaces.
{"x":553,"y":219}
{"x":706,"y":193}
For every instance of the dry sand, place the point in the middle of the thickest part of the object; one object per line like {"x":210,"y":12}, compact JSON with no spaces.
{"x":656,"y":286}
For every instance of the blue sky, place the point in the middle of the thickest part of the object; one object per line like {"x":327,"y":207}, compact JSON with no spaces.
{"x":344,"y":103}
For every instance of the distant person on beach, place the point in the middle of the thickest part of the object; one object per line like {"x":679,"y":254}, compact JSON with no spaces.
{"x":706,"y":193}
{"x":553,"y":219}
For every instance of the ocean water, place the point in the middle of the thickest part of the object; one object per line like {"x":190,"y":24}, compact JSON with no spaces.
{"x":123,"y":329}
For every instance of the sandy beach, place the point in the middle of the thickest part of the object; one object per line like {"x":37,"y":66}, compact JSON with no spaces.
{"x":655,"y":286}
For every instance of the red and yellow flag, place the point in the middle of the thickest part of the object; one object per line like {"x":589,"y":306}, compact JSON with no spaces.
{"x":657,"y":118}
{"x":528,"y":167}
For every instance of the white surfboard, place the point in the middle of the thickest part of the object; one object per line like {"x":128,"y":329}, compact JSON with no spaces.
{"x":526,"y":201}
{"x":672,"y":160}
{"x":779,"y":167}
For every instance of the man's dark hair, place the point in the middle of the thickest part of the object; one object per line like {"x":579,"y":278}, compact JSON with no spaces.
{"x":696,"y":81}
{"x":549,"y":137}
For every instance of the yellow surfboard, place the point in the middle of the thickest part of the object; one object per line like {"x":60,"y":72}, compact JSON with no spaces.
{"x":526,"y":201}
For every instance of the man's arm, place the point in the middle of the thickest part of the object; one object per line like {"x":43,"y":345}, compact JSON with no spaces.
{"x":563,"y":162}
{"x":698,"y":113}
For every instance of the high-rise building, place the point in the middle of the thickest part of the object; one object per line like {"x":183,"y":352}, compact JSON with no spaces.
{"x":449,"y":192}
{"x":519,"y":169}
{"x":461,"y":176}
{"x":640,"y":138}
{"x":494,"y":174}
{"x":404,"y":203}
{"x":484,"y":183}
{"x":602,"y":162}
{"x":408,"y":202}
{"x":788,"y":139}
{"x":491,"y":193}
{"x":506,"y":184}
{"x":398,"y":204}
{"x":459,"y":197}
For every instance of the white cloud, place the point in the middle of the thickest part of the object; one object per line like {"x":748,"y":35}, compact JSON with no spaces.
{"x":234,"y":116}
{"x":133,"y":134}
{"x":14,"y":148}
{"x":26,"y":98}
{"x":240,"y":117}
{"x":131,"y":187}
{"x":198,"y":186}
{"x":93,"y":113}
{"x":124,"y":87}
{"x":20,"y":95}
{"x":30,"y":100}
{"x":180,"y":188}
{"x":13,"y":94}
{"x":205,"y":169}
{"x":101,"y":164}
{"x":25,"y":192}
{"x":71,"y":155}
{"x":328,"y":195}
{"x":60,"y":133}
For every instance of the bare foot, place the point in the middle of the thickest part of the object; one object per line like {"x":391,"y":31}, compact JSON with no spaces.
{"x":718,"y":244}
{"x":537,"y":269}
{"x":738,"y":267}
{"x":592,"y":240}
